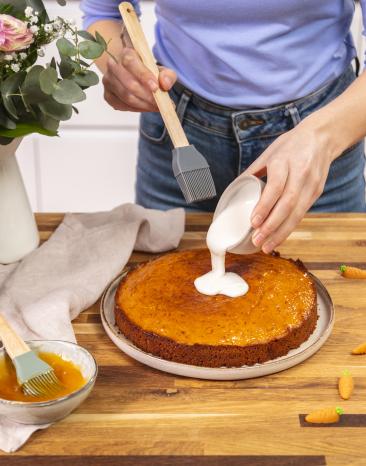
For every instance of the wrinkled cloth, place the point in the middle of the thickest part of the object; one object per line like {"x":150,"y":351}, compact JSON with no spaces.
{"x":43,"y":293}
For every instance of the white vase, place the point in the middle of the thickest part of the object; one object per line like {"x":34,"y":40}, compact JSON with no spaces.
{"x":18,"y":230}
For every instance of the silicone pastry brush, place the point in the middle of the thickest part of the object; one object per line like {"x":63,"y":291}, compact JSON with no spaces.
{"x":35,"y":376}
{"x":190,"y":168}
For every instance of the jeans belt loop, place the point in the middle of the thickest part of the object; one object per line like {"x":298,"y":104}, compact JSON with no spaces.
{"x":292,"y":110}
{"x":182,"y":104}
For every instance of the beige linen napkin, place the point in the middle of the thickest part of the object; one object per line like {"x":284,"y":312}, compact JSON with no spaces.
{"x":42,"y":294}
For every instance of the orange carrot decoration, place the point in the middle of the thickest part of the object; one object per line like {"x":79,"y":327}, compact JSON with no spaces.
{"x":324,"y":416}
{"x":346,"y":385}
{"x":352,"y":272}
{"x":361,"y":349}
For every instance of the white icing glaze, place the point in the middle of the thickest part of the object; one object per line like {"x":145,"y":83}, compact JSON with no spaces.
{"x":225,"y":232}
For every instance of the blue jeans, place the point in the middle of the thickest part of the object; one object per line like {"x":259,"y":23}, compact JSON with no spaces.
{"x":231,"y":140}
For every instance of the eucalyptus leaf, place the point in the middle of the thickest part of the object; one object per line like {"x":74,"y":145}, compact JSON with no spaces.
{"x":66,"y":68}
{"x":86,"y":78}
{"x":20,"y":5}
{"x":71,"y":63}
{"x":23,"y":129}
{"x":86,"y":35}
{"x":31,"y":88}
{"x":48,"y":122}
{"x":55,"y":110}
{"x":5,"y":121}
{"x":9,"y":87}
{"x":65,"y":47}
{"x":90,"y":50}
{"x":68,"y":92}
{"x":48,"y":80}
{"x":101,"y":40}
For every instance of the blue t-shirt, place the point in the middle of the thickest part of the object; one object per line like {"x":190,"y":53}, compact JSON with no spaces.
{"x":248,"y":53}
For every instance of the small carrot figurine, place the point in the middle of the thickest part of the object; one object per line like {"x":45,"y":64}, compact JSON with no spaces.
{"x":345,"y":385}
{"x":352,"y":272}
{"x":361,"y":349}
{"x":324,"y":416}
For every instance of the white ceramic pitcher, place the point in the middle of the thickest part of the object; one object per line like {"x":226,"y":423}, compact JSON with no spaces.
{"x":248,"y":188}
{"x":18,"y":229}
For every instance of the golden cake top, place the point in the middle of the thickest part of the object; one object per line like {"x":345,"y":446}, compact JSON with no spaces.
{"x":160,"y":297}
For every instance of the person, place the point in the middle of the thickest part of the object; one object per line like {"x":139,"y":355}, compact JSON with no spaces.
{"x":261,"y":87}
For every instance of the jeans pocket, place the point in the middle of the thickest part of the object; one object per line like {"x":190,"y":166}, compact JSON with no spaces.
{"x":152,"y":127}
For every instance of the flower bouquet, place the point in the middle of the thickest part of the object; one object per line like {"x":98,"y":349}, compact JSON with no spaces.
{"x":35,"y":98}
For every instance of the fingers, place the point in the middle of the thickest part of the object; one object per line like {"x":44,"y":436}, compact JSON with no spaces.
{"x":257,"y":168}
{"x":130,"y":103}
{"x":290,"y":209}
{"x":283,"y":210}
{"x":167,"y":78}
{"x":137,"y":101}
{"x":115,"y":102}
{"x":285,"y":229}
{"x":132,"y":63}
{"x":277,"y":173}
{"x":130,"y":85}
{"x":123,"y":84}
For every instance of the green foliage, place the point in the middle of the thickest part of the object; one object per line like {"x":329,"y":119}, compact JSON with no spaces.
{"x":86,"y":35}
{"x":100,"y":40}
{"x":48,"y":80}
{"x":36,"y":98}
{"x":6,"y":9}
{"x":55,"y":110}
{"x":20,"y":5}
{"x":90,"y":50}
{"x":10,"y":89}
{"x":23,"y":129}
{"x":31,"y":88}
{"x":86,"y":78}
{"x":5,"y":121}
{"x":65,"y":47}
{"x":68,"y":92}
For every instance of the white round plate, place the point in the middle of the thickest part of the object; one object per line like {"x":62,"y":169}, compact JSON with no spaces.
{"x":308,"y":348}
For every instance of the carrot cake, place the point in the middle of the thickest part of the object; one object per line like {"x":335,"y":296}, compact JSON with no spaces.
{"x":158,"y":308}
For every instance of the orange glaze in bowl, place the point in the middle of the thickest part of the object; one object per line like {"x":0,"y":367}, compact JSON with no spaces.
{"x":67,"y":372}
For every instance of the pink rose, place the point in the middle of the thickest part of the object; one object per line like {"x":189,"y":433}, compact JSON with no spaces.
{"x":14,"y":34}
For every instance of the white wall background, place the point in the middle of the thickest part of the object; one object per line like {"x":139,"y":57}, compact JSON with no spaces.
{"x":91,"y":166}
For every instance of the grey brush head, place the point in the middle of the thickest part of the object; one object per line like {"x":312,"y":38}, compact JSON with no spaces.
{"x":36,"y":377}
{"x":192,"y":172}
{"x":28,"y":366}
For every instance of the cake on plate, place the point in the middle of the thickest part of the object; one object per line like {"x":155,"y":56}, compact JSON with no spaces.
{"x":158,"y":309}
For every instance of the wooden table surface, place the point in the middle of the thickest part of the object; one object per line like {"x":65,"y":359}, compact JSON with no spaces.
{"x":139,"y":416}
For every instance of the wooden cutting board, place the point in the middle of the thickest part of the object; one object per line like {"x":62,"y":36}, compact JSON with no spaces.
{"x":138,"y":416}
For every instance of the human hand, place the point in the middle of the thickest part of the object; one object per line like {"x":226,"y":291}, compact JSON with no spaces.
{"x":296,"y":164}
{"x":129,"y":85}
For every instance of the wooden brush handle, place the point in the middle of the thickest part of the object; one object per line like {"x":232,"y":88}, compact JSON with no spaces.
{"x":162,"y":98}
{"x":14,"y":345}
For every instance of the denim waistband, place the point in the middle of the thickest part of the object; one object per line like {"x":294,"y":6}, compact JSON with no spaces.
{"x":209,"y":106}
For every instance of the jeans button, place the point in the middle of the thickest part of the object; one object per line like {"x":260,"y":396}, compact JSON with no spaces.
{"x":244,"y":124}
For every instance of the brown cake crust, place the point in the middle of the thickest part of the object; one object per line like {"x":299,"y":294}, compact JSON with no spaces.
{"x":220,"y":354}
